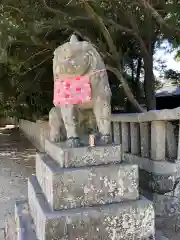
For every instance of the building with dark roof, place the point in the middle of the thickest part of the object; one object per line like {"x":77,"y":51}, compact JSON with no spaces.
{"x":168,"y":97}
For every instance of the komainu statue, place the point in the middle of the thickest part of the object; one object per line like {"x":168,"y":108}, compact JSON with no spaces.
{"x":80,"y":83}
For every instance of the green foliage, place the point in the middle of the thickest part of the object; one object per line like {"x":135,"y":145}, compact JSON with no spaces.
{"x":172,"y":76}
{"x":31,"y":30}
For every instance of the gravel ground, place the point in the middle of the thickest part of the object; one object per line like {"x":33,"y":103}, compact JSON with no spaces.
{"x":17,"y":161}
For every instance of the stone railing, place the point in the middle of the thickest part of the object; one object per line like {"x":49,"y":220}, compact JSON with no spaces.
{"x":148,"y":134}
{"x":152,"y":134}
{"x":152,"y":140}
{"x":36,"y":132}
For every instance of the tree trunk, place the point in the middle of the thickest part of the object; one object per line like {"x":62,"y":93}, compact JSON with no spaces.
{"x":149,"y":80}
{"x":149,"y":83}
{"x":135,"y":78}
{"x":138,"y":74}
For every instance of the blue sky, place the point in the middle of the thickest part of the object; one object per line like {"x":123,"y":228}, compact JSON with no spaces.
{"x":168,"y":57}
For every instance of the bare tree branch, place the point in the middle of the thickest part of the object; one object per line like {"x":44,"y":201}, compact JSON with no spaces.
{"x":58,"y":11}
{"x":138,"y":36}
{"x":134,"y":31}
{"x":36,"y":54}
{"x":98,"y":20}
{"x":36,"y":66}
{"x":129,"y":94}
{"x":14,"y":8}
{"x":157,"y":16}
{"x":120,"y":27}
{"x":53,"y":10}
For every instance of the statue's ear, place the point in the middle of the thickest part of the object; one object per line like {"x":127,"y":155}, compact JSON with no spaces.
{"x":73,"y":39}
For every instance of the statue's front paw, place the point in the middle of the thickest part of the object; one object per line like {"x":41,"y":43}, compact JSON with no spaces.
{"x":74,"y":142}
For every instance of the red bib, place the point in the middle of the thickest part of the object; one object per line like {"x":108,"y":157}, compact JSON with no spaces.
{"x":72,"y":91}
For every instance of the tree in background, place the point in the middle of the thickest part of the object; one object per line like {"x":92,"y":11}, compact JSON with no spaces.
{"x":172,"y":76}
{"x":124,"y":32}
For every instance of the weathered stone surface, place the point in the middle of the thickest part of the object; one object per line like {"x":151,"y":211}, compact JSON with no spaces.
{"x":76,"y":187}
{"x":153,"y":115}
{"x":158,"y":137}
{"x":160,"y":236}
{"x":166,"y":205}
{"x":22,"y":226}
{"x":76,"y":59}
{"x":156,"y":183}
{"x":10,"y":228}
{"x":2,"y":234}
{"x":83,"y":156}
{"x":116,"y":132}
{"x":132,"y":220}
{"x":156,"y":167}
{"x":125,"y":131}
{"x":171,"y":141}
{"x":157,"y":176}
{"x":135,"y":138}
{"x":145,"y":139}
{"x":167,"y":208}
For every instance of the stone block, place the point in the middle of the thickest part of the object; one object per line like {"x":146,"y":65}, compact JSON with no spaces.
{"x":166,"y":206}
{"x":160,"y":236}
{"x":86,"y":186}
{"x":157,"y":176}
{"x":159,"y":183}
{"x":20,"y":227}
{"x":2,"y":235}
{"x":24,"y":225}
{"x":83,"y":156}
{"x":167,"y":209}
{"x":10,"y":228}
{"x":131,"y":220}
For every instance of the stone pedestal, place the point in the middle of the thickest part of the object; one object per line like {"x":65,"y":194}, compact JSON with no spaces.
{"x":83,"y":156}
{"x":84,"y":193}
{"x":80,"y":187}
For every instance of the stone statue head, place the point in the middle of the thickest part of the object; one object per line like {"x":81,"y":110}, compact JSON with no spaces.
{"x":73,"y":58}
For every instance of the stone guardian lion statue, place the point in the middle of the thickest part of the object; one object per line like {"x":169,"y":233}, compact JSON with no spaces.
{"x":79,"y":58}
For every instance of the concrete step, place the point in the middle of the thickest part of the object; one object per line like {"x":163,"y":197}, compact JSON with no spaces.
{"x":86,"y":186}
{"x":21,"y":227}
{"x":83,"y":156}
{"x":131,"y":220}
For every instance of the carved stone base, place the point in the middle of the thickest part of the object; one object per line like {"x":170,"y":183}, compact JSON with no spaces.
{"x":84,"y":193}
{"x":79,"y":187}
{"x":83,"y":156}
{"x":131,"y":220}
